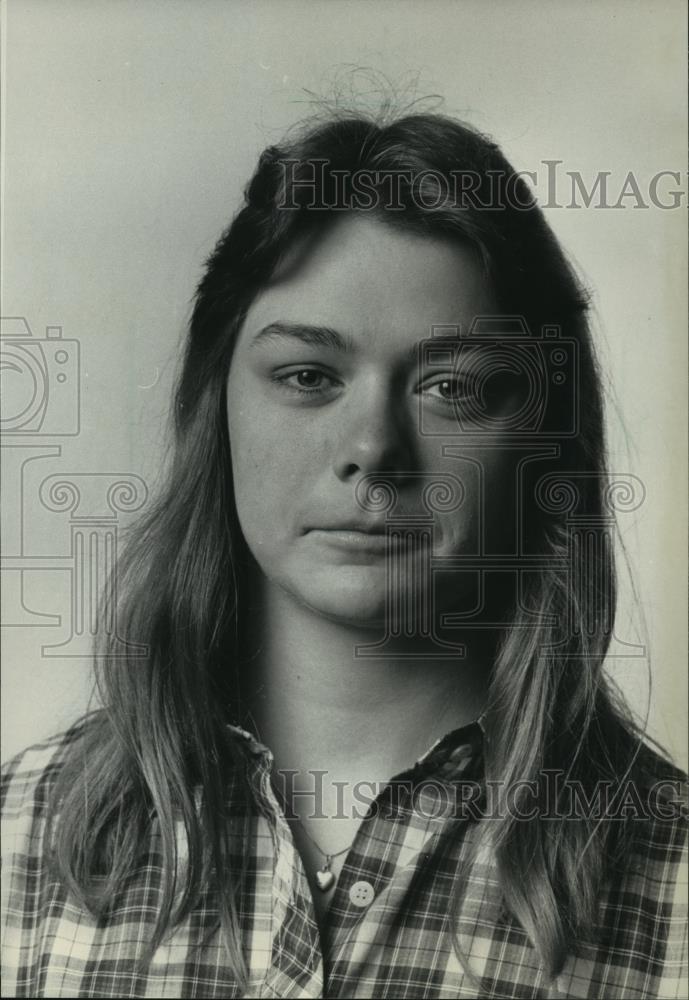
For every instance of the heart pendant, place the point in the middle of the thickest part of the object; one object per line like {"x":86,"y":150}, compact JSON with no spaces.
{"x":324,"y":880}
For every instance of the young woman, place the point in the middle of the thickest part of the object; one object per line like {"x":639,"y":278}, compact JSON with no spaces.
{"x":364,"y":744}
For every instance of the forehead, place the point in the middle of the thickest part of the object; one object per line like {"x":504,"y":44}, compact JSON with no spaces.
{"x":373,"y":281}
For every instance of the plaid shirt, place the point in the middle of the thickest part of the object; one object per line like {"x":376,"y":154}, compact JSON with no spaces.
{"x":388,"y":930}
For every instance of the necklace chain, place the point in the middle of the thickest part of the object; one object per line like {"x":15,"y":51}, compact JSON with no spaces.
{"x":325,"y":878}
{"x":328,"y":857}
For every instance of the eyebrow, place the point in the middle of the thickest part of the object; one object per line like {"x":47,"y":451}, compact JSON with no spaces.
{"x":314,"y":336}
{"x":326,"y":336}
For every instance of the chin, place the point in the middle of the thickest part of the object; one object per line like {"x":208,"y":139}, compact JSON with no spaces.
{"x":350,"y":596}
{"x":357,"y":608}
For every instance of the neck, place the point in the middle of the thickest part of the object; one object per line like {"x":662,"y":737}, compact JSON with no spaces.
{"x":318,"y":705}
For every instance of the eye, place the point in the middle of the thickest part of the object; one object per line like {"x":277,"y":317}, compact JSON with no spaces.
{"x":304,"y":381}
{"x":449,"y":390}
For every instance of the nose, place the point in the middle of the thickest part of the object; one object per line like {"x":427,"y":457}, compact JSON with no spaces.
{"x":374,"y":434}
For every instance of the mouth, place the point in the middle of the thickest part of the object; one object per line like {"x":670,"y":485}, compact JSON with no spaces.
{"x":364,"y":527}
{"x":353,"y":538}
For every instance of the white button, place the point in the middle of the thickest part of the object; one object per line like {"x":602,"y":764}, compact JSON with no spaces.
{"x":361,"y":894}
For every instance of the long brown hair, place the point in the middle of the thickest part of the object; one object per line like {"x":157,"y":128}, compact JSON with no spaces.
{"x":163,"y":728}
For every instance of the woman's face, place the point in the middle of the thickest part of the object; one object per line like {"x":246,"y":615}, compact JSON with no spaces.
{"x":325,"y":387}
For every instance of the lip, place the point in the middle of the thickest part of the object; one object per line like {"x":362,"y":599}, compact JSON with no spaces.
{"x":355,"y":539}
{"x":365,"y":526}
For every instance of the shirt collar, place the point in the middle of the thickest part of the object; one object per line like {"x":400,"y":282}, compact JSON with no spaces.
{"x":450,"y":755}
{"x":464,"y":735}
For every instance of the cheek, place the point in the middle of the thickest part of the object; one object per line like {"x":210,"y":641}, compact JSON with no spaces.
{"x":253,"y":475}
{"x":270,"y":470}
{"x":500,"y":506}
{"x":457,"y":532}
{"x":488,"y":507}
